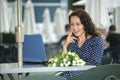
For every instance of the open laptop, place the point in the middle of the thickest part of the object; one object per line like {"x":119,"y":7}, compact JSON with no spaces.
{"x":33,"y":49}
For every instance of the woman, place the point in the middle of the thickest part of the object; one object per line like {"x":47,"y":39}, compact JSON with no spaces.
{"x":84,"y":40}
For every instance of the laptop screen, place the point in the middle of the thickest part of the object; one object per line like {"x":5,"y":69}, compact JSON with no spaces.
{"x":33,"y":49}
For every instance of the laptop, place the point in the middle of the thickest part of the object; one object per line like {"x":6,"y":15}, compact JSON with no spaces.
{"x":33,"y":49}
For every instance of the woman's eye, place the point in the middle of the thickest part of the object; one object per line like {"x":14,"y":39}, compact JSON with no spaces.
{"x":78,"y":24}
{"x":71,"y":24}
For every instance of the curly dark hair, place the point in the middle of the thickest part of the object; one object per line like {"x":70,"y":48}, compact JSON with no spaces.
{"x":86,"y":20}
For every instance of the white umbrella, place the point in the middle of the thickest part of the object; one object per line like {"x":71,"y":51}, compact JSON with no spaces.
{"x":80,"y":2}
{"x":112,"y":3}
{"x":69,"y":12}
{"x":115,"y":6}
{"x":98,"y":13}
{"x":48,"y":33}
{"x":64,"y":16}
{"x":4,"y":26}
{"x":29,"y":18}
{"x":13,"y":22}
{"x":59,"y":23}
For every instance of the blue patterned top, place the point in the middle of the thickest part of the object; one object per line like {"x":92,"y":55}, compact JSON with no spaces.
{"x":91,"y":52}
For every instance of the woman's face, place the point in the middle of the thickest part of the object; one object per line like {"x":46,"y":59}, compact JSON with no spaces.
{"x":76,"y":26}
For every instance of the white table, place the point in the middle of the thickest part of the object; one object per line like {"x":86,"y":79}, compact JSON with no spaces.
{"x":13,"y":68}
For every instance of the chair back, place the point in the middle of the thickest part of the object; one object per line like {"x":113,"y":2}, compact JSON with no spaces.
{"x":114,"y":53}
{"x":106,"y":60}
{"x":102,"y":72}
{"x":33,"y":49}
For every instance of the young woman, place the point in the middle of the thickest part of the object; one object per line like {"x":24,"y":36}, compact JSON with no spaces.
{"x":84,"y":40}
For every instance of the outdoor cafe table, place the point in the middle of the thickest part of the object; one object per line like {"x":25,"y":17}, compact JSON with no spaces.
{"x":29,"y":68}
{"x":12,"y":68}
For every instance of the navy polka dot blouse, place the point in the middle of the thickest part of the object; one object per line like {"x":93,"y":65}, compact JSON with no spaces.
{"x":91,"y":52}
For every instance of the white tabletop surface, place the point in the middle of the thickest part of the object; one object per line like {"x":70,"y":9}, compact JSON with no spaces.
{"x":13,"y":68}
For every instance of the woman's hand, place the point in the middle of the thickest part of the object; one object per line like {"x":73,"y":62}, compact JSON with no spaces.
{"x":70,"y":39}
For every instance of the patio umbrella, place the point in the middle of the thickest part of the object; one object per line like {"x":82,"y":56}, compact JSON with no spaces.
{"x":64,"y":16}
{"x":80,"y":2}
{"x":4,"y":26}
{"x":59,"y":23}
{"x":98,"y":13}
{"x":29,"y":18}
{"x":112,"y":3}
{"x":48,"y":33}
{"x":13,"y":22}
{"x":115,"y":16}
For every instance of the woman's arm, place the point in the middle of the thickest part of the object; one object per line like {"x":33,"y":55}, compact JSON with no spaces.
{"x":96,"y":52}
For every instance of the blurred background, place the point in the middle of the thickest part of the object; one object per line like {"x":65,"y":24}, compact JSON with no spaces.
{"x":49,"y":17}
